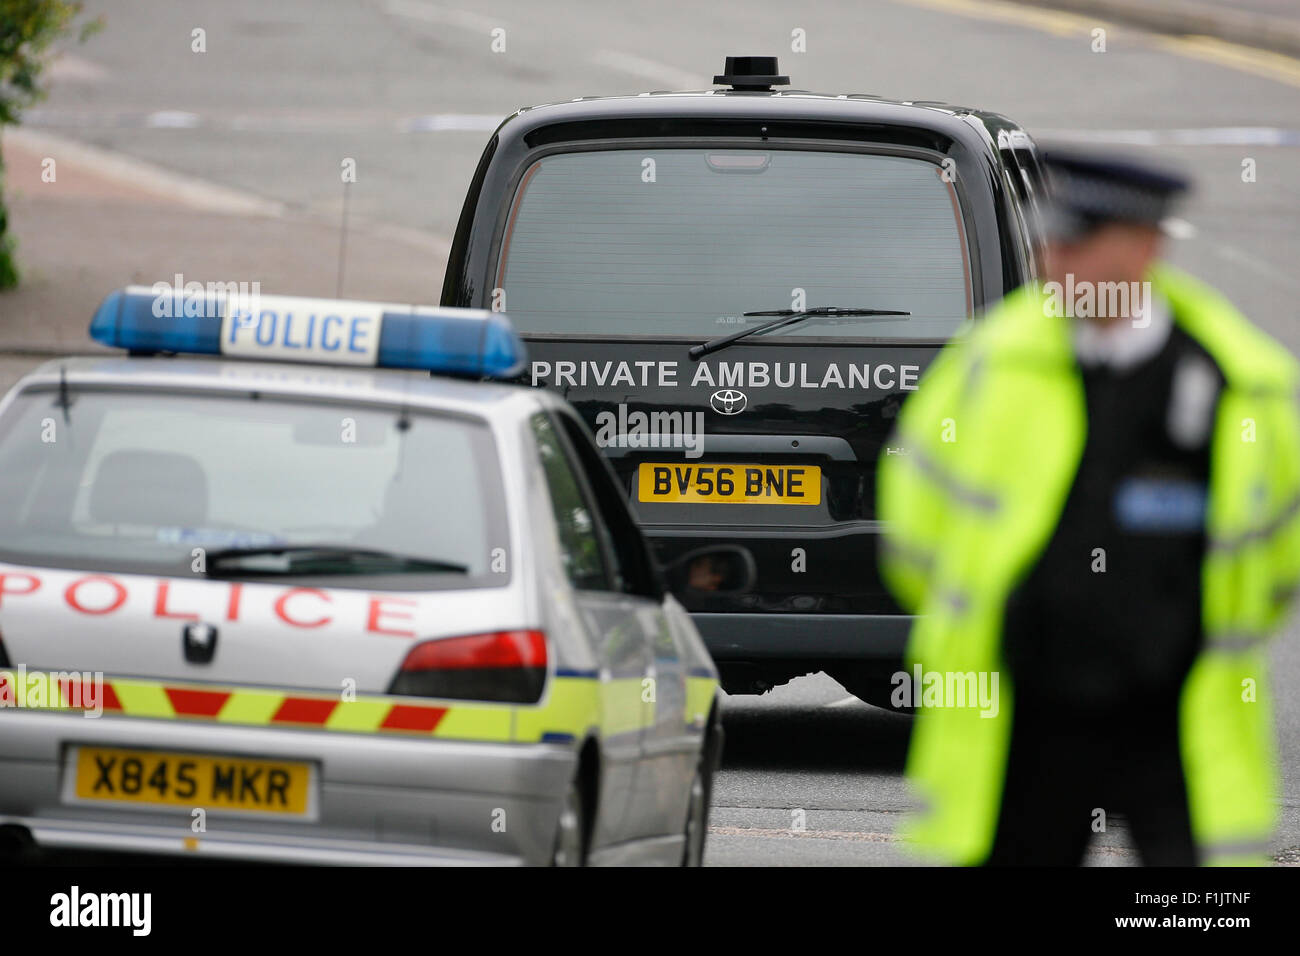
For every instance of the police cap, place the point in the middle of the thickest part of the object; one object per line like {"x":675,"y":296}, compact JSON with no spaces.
{"x":1087,"y":191}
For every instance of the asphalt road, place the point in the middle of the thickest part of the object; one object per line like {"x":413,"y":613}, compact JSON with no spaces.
{"x":409,"y":89}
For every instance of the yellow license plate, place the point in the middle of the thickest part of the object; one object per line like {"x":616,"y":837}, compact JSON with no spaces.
{"x":730,"y":484}
{"x":157,"y":778}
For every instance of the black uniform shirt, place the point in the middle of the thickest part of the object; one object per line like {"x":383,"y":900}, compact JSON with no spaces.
{"x":1110,"y":614}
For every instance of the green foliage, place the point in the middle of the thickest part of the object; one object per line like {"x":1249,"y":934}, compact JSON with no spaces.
{"x":27,"y":28}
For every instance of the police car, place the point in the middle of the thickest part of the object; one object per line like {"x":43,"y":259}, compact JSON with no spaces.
{"x":337,"y":611}
{"x":737,"y":288}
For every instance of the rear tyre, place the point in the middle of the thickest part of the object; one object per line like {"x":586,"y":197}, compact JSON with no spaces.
{"x":700,"y":797}
{"x":570,"y":832}
{"x":697,"y":820}
{"x":16,"y":845}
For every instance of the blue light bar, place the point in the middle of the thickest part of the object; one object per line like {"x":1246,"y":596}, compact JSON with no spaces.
{"x":469,"y":343}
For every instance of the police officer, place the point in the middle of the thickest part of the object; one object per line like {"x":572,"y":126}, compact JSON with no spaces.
{"x":1099,"y":504}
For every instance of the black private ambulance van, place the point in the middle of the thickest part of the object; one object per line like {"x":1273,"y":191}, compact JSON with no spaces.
{"x":737,"y":288}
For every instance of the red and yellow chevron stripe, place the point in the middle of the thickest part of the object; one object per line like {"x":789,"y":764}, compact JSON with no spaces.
{"x":570,"y":707}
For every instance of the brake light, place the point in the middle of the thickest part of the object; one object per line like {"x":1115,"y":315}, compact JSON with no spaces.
{"x":746,"y":162}
{"x":502,"y":666}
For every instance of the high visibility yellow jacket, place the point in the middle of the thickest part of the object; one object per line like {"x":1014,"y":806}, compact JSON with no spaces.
{"x":993,"y":440}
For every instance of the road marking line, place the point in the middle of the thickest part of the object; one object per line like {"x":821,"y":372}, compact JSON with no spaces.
{"x":845,"y":702}
{"x":273,"y":122}
{"x":1049,"y":21}
{"x":173,"y":119}
{"x":68,"y":68}
{"x":186,"y":190}
{"x":451,"y":122}
{"x":200,"y":194}
{"x":1095,"y":849}
{"x":1253,"y":263}
{"x":1248,"y":59}
{"x":433,"y":13}
{"x":650,"y":70}
{"x":857,"y":836}
{"x":434,"y":243}
{"x":1208,"y":136}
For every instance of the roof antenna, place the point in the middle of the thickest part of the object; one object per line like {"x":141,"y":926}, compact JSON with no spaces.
{"x":756,"y":74}
{"x":404,"y":416}
{"x":349,"y":177}
{"x":64,"y":401}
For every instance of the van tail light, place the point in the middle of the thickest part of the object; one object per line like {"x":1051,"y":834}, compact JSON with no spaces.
{"x":505,"y":666}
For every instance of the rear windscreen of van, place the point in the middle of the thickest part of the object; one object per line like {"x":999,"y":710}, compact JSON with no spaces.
{"x":682,"y":242}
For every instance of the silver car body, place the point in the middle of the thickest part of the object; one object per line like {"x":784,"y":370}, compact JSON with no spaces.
{"x":630,"y":689}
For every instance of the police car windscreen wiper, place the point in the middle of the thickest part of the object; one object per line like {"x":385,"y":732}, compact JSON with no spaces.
{"x":787,"y":317}
{"x":322,"y":559}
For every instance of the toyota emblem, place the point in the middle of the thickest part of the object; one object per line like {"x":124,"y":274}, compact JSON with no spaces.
{"x":728,"y":401}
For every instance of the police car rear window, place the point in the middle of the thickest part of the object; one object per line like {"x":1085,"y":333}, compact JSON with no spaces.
{"x":681,"y":242}
{"x":130,"y":480}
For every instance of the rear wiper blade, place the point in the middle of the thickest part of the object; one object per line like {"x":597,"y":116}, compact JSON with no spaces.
{"x":322,"y":559}
{"x":787,"y":317}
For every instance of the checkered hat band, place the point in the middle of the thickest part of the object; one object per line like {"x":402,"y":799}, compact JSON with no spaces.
{"x":1101,"y":199}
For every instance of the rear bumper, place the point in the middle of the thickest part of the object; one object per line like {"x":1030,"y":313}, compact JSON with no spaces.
{"x":804,"y":637}
{"x":114,"y":837}
{"x":379,"y":799}
{"x":810,"y":572}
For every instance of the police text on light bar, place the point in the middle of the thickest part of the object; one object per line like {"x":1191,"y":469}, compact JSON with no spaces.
{"x":462,"y":342}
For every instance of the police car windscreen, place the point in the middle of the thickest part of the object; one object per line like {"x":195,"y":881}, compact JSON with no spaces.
{"x":683,"y":241}
{"x":149,"y":482}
